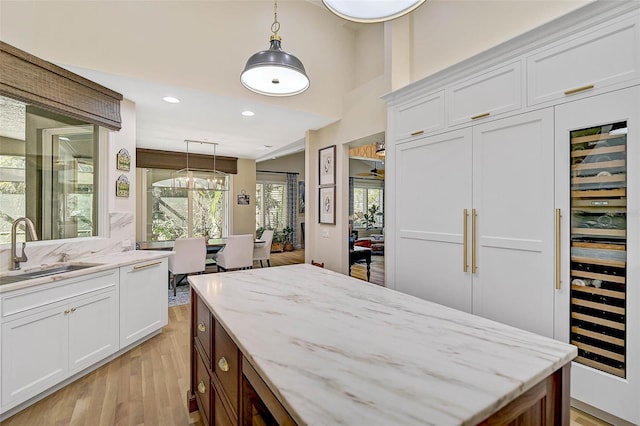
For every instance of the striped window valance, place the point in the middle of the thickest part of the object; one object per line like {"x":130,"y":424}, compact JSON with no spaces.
{"x":32,"y":80}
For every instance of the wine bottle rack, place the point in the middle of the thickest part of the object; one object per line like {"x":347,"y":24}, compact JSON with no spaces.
{"x":598,"y":246}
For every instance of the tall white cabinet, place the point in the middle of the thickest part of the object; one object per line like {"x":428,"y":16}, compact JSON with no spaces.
{"x":513,"y":193}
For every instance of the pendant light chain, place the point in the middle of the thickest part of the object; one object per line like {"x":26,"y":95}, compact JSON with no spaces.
{"x":275,"y":27}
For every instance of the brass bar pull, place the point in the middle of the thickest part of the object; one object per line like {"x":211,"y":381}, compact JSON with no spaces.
{"x":558,"y":249}
{"x":223,"y":364}
{"x":148,"y":265}
{"x":465,"y":265}
{"x":66,"y":311}
{"x":419,"y":132}
{"x":202,"y":388}
{"x":474,"y":266}
{"x":73,"y":309}
{"x":486,"y":114}
{"x":578,"y":89}
{"x":202,"y":327}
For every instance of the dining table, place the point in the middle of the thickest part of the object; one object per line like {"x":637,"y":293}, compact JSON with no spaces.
{"x":214,"y":245}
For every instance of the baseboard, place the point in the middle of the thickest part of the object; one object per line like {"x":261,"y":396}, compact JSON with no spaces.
{"x":602,"y":415}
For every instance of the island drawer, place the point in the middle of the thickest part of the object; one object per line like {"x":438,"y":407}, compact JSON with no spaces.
{"x":227,"y":365}
{"x":202,"y":328}
{"x":203,"y":388}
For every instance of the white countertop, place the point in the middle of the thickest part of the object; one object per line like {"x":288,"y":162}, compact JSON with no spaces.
{"x":105,"y":261}
{"x":336,"y":350}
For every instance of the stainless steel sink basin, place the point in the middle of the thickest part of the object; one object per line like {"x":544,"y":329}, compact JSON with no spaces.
{"x":54,"y":270}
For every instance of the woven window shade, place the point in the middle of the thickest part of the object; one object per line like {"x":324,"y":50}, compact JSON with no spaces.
{"x":156,"y":159}
{"x":32,"y":80}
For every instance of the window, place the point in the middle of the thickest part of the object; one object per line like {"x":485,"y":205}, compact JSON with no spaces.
{"x":183,"y":206}
{"x":368,"y":204}
{"x":271,"y":205}
{"x":48,"y":172}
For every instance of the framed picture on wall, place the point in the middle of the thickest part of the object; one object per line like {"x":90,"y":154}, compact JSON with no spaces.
{"x":327,"y":165}
{"x":327,"y":205}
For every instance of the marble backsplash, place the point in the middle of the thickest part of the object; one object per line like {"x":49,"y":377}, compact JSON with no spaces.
{"x":121,"y":233}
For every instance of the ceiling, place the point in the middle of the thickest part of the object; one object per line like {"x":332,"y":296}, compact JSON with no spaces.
{"x":195,"y":51}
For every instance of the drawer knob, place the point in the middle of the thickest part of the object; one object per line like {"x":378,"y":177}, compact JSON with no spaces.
{"x":202,"y":327}
{"x":223,"y":364}
{"x":202,"y":388}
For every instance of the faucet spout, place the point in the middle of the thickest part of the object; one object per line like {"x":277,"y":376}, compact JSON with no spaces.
{"x":31,"y":230}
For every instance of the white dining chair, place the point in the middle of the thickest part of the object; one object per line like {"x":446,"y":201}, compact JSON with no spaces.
{"x":237,"y":253}
{"x":262,"y":249}
{"x":189,"y":258}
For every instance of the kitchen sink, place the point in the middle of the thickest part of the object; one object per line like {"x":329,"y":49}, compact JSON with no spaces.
{"x":45,"y":272}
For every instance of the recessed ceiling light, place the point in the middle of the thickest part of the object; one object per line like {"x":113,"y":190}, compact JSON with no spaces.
{"x":248,"y":113}
{"x":171,"y":99}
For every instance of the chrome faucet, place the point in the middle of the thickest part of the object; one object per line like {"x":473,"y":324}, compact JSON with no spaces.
{"x":15,"y":260}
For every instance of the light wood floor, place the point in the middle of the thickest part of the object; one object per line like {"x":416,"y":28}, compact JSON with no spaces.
{"x":147,"y":385}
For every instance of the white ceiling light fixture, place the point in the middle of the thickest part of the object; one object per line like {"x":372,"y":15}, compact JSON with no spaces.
{"x":248,"y":113}
{"x":371,"y":11}
{"x":274,"y":72}
{"x":171,"y":100}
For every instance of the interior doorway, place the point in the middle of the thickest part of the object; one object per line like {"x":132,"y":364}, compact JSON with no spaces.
{"x":366,"y":209}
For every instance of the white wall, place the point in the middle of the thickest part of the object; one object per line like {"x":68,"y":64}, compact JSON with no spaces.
{"x":243,"y":217}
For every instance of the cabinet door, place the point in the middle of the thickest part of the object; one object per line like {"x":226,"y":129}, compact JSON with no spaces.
{"x":432,"y":191}
{"x":143,"y":300}
{"x":595,"y":60}
{"x":420,"y":116}
{"x":489,"y":94}
{"x":513,"y":187}
{"x":598,"y":177}
{"x":34,"y":353}
{"x":93,"y":328}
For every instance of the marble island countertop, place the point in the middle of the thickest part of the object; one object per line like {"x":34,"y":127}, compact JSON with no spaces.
{"x":97,"y":263}
{"x":336,"y":350}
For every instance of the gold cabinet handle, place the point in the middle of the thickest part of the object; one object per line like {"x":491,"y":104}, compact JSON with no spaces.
{"x":223,"y":364}
{"x":558,"y":249}
{"x":465,"y":218}
{"x":474,"y":266}
{"x":486,"y":114}
{"x":66,"y":311}
{"x":73,"y":309}
{"x":202,"y":388}
{"x":419,"y":132}
{"x":578,"y":89}
{"x":148,"y":265}
{"x":202,"y":327}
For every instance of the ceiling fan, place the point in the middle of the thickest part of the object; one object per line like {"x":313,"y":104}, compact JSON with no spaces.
{"x":373,"y":173}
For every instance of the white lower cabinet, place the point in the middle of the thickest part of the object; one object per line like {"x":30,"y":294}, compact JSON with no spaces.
{"x":45,"y":341}
{"x":475,"y":217}
{"x":143,"y":299}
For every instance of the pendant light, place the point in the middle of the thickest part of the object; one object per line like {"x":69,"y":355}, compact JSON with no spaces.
{"x":370,"y":11}
{"x":274,"y":72}
{"x":195,"y":178}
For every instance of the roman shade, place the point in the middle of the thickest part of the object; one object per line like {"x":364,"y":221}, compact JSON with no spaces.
{"x":29,"y":79}
{"x":172,"y":160}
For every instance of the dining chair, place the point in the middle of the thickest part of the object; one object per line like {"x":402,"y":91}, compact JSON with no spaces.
{"x":262,"y":250}
{"x":189,"y":258}
{"x":237,"y":253}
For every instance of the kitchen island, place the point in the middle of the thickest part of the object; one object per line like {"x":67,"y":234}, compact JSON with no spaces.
{"x":329,"y":349}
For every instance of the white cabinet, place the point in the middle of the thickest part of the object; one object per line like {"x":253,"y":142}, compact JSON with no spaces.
{"x":587,"y":64}
{"x":498,"y":264}
{"x":420,"y":116}
{"x":486,"y":95}
{"x":597,"y":175}
{"x":51,"y":334}
{"x":143,"y":300}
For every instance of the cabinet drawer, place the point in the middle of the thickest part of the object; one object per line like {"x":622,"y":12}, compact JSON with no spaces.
{"x":226,"y":365}
{"x":488,"y":94}
{"x":202,"y":328}
{"x":203,"y":388}
{"x":220,"y":416}
{"x":423,"y":115}
{"x":600,"y":58}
